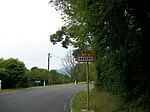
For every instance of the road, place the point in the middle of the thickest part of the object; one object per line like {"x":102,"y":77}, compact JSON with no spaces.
{"x":46,"y":99}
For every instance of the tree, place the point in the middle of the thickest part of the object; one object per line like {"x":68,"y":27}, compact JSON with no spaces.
{"x":3,"y":74}
{"x":69,"y":63}
{"x":81,"y":71}
{"x":75,"y":31}
{"x":12,"y":73}
{"x":121,"y":42}
{"x":37,"y":74}
{"x":57,"y":78}
{"x":44,"y":75}
{"x":118,"y":31}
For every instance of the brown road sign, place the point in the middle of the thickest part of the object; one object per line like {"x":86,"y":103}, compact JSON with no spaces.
{"x":87,"y":52}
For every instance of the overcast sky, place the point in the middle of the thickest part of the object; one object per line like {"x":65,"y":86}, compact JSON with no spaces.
{"x":25,"y":27}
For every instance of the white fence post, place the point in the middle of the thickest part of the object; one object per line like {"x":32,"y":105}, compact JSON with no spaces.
{"x":44,"y":83}
{"x":0,"y":84}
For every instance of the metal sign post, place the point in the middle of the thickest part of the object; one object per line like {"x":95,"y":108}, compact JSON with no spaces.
{"x":88,"y":91}
{"x":87,"y":56}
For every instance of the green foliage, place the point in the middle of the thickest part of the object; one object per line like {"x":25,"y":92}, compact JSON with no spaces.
{"x":118,"y":31}
{"x":99,"y":102}
{"x":50,"y":77}
{"x":80,"y":72}
{"x":12,"y":73}
{"x":74,"y":32}
{"x":54,"y":77}
{"x":36,"y":74}
{"x":39,"y":73}
{"x":78,"y":102}
{"x":120,"y":40}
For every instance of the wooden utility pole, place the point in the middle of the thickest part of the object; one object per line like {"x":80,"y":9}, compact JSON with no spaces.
{"x":49,"y":56}
{"x":48,"y":60}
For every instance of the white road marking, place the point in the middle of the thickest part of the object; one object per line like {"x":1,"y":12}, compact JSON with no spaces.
{"x":65,"y":106}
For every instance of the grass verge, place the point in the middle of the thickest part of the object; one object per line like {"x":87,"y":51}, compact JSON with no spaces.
{"x":8,"y":90}
{"x":99,"y":102}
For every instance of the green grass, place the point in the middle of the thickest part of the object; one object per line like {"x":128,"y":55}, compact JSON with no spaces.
{"x":99,"y":102}
{"x":9,"y":90}
{"x":78,"y":101}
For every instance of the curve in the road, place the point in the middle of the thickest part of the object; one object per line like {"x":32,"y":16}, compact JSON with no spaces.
{"x":46,"y":99}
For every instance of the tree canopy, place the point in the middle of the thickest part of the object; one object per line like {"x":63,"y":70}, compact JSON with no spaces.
{"x":118,"y":31}
{"x":14,"y":74}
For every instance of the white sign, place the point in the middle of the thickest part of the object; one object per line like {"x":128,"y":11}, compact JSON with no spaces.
{"x":37,"y":81}
{"x":85,"y":59}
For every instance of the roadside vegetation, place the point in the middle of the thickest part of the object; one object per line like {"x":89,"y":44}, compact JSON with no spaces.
{"x":118,"y":33}
{"x":100,"y":102}
{"x":9,"y":90}
{"x":14,"y":75}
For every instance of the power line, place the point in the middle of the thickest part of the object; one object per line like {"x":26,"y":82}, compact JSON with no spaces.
{"x":35,"y":60}
{"x":56,"y":56}
{"x":44,"y":57}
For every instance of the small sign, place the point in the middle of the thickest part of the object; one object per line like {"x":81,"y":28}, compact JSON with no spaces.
{"x":85,"y":59}
{"x":87,"y":52}
{"x":37,"y":81}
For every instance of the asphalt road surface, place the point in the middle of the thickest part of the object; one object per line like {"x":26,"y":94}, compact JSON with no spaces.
{"x":46,"y":99}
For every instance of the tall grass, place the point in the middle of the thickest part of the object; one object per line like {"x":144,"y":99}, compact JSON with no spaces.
{"x":99,"y":102}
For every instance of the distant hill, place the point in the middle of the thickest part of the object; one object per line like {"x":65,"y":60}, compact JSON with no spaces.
{"x":62,"y":71}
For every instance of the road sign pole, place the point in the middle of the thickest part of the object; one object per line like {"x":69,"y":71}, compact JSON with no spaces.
{"x":88,"y":107}
{"x":87,"y":56}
